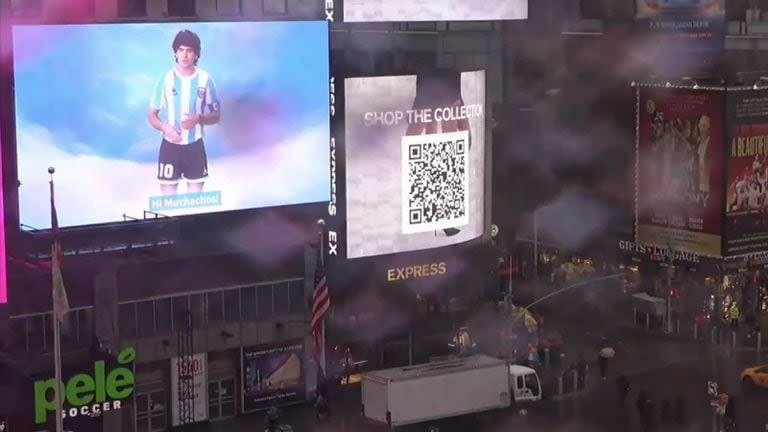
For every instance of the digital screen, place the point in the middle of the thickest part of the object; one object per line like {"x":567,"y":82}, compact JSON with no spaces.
{"x":171,"y":118}
{"x":434,"y":10}
{"x":414,"y":161}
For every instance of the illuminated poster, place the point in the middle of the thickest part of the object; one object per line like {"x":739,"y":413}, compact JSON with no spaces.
{"x":414,"y":161}
{"x":746,"y":204}
{"x":272,"y":375}
{"x":434,"y":10}
{"x":685,"y":24}
{"x":188,"y":118}
{"x":680,"y":155}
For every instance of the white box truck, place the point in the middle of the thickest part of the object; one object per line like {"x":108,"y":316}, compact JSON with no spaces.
{"x":447,"y":388}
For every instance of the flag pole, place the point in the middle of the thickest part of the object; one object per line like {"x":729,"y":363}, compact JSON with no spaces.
{"x":56,"y":334}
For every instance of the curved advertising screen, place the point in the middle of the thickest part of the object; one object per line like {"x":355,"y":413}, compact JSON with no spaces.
{"x":414,"y":150}
{"x":171,"y":118}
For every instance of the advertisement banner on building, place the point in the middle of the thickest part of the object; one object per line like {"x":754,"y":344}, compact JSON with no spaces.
{"x":684,"y":24}
{"x":746,"y":204}
{"x":189,"y":389}
{"x":272,"y":375}
{"x":680,"y":175}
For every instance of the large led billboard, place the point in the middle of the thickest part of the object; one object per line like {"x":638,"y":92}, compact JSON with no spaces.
{"x":414,"y":148}
{"x":174,"y":118}
{"x":434,"y":10}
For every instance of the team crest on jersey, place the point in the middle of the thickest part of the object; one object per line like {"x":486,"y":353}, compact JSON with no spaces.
{"x":201,"y":92}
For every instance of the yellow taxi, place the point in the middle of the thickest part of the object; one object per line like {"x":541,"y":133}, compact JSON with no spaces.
{"x":757,"y":375}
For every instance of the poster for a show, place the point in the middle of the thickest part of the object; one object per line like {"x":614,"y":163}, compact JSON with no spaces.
{"x":680,"y":155}
{"x":415,"y":174}
{"x":746,"y":204}
{"x":691,"y":24}
{"x":272,"y":375}
{"x":182,"y":118}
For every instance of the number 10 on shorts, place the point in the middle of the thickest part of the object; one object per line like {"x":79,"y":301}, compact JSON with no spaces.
{"x":165,"y":171}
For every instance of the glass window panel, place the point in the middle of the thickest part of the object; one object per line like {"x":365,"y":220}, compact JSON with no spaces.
{"x":180,"y":309}
{"x":197,"y":306}
{"x":297,"y":297}
{"x":158,"y":422}
{"x":264,"y":294}
{"x":215,"y":307}
{"x":68,"y":330}
{"x":163,"y":315}
{"x":85,"y":327}
{"x":142,"y":403}
{"x":232,"y":305}
{"x":48,"y":332}
{"x":127,"y":315}
{"x":146,"y":324}
{"x":213,"y":410}
{"x":18,"y":328}
{"x":228,"y":408}
{"x":282,"y":298}
{"x":248,"y":303}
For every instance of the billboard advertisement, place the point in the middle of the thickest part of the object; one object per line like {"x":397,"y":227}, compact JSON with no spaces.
{"x":272,"y":374}
{"x":193,"y":376}
{"x":693,"y":23}
{"x":434,"y":10}
{"x":680,"y":171}
{"x":414,"y":160}
{"x":181,"y":122}
{"x":746,"y":204}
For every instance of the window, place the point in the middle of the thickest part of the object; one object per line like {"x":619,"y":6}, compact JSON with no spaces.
{"x":132,"y":8}
{"x":197,"y":306}
{"x":282,"y":295}
{"x":248,"y":303}
{"x":163,"y":315}
{"x":264,"y":294}
{"x":215,"y":307}
{"x":221,"y":400}
{"x":274,"y":7}
{"x":18,"y":340}
{"x":150,"y":411}
{"x":127,"y":316}
{"x":229,"y":8}
{"x":297,"y":296}
{"x":232,"y":305}
{"x":180,"y":311}
{"x":181,"y":8}
{"x":84,"y":327}
{"x":146,"y":324}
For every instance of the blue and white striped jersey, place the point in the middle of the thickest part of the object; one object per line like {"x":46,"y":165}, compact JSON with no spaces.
{"x":177,"y":97}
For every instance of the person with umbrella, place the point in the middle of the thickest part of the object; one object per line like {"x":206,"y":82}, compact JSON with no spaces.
{"x":606,"y":353}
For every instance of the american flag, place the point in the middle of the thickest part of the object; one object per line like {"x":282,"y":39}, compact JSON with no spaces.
{"x":321,"y":302}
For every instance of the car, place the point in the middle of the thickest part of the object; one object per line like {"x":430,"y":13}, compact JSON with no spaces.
{"x":757,"y":376}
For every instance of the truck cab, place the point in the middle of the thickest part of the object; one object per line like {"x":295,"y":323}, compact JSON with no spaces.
{"x":524,"y":383}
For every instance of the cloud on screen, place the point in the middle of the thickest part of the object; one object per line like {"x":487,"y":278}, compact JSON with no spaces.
{"x":93,"y":189}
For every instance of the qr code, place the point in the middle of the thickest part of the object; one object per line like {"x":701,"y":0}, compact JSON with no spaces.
{"x":435,"y":179}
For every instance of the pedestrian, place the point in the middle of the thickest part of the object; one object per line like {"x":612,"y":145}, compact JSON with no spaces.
{"x":272,"y":419}
{"x":640,"y":405}
{"x":323,"y":411}
{"x":605,"y":354}
{"x":650,"y":415}
{"x":729,"y":417}
{"x":734,"y":313}
{"x":623,"y":385}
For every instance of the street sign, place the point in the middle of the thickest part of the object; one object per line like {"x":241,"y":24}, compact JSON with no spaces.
{"x":711,"y":388}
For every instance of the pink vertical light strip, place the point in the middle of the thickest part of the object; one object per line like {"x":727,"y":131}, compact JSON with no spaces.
{"x":3,"y":262}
